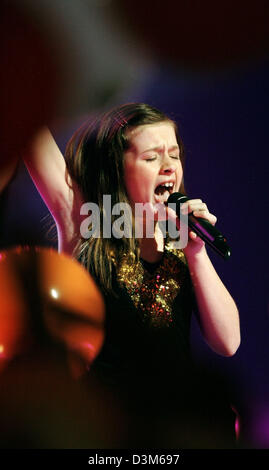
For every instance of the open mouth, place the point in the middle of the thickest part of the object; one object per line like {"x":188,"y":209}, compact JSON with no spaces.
{"x":163,"y":191}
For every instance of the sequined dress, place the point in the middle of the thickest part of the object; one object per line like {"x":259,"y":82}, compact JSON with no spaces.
{"x":148,"y":320}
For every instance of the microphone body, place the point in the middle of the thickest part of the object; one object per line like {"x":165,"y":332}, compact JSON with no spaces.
{"x":202,"y":227}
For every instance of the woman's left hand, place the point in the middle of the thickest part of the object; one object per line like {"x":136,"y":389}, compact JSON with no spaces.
{"x":199,"y":209}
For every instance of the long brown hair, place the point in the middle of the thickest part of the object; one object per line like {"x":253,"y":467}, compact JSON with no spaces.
{"x":95,"y":161}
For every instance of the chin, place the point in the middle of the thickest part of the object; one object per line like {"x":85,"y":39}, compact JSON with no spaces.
{"x":161,"y":212}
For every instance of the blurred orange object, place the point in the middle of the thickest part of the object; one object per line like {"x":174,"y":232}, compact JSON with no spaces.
{"x":44,"y":297}
{"x":52,"y":316}
{"x":13,"y":312}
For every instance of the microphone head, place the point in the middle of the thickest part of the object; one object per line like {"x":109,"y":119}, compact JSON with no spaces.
{"x":177,"y":197}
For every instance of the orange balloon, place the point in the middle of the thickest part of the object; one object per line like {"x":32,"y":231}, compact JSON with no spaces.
{"x":13,"y":312}
{"x":73,"y":305}
{"x":46,"y":295}
{"x":50,"y":306}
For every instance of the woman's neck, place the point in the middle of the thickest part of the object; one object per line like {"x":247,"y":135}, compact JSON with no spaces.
{"x":151,"y":249}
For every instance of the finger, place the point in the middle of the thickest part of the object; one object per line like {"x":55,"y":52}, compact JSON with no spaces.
{"x":192,"y":235}
{"x":206,"y":215}
{"x":193,"y":204}
{"x":195,"y":238}
{"x":198,"y":207}
{"x":195,"y":201}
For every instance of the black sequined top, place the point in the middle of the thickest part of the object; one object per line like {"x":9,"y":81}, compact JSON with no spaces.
{"x":148,"y":320}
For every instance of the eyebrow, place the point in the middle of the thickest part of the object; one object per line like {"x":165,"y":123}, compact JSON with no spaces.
{"x":158,"y":149}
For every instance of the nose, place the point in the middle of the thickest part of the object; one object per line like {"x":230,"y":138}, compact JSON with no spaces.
{"x":168,"y":171}
{"x":167,"y":167}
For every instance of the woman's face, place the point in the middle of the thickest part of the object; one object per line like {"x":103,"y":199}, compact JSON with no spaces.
{"x":153,"y":168}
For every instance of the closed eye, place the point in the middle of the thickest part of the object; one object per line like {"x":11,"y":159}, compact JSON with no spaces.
{"x":150,"y":159}
{"x":176,"y":157}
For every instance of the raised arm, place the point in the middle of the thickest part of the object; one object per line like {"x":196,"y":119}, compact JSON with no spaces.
{"x":47,"y":168}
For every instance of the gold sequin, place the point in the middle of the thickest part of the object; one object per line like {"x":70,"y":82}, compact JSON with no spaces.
{"x":154,"y":293}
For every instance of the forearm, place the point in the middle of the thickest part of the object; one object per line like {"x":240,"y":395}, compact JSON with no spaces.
{"x":46,"y":167}
{"x":218,"y":314}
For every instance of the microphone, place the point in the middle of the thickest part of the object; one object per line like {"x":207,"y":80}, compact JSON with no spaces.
{"x":202,"y":227}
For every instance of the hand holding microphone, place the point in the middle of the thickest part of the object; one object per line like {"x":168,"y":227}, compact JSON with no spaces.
{"x":202,"y":227}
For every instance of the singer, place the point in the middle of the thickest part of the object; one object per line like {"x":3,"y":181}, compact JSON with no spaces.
{"x":135,"y":154}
